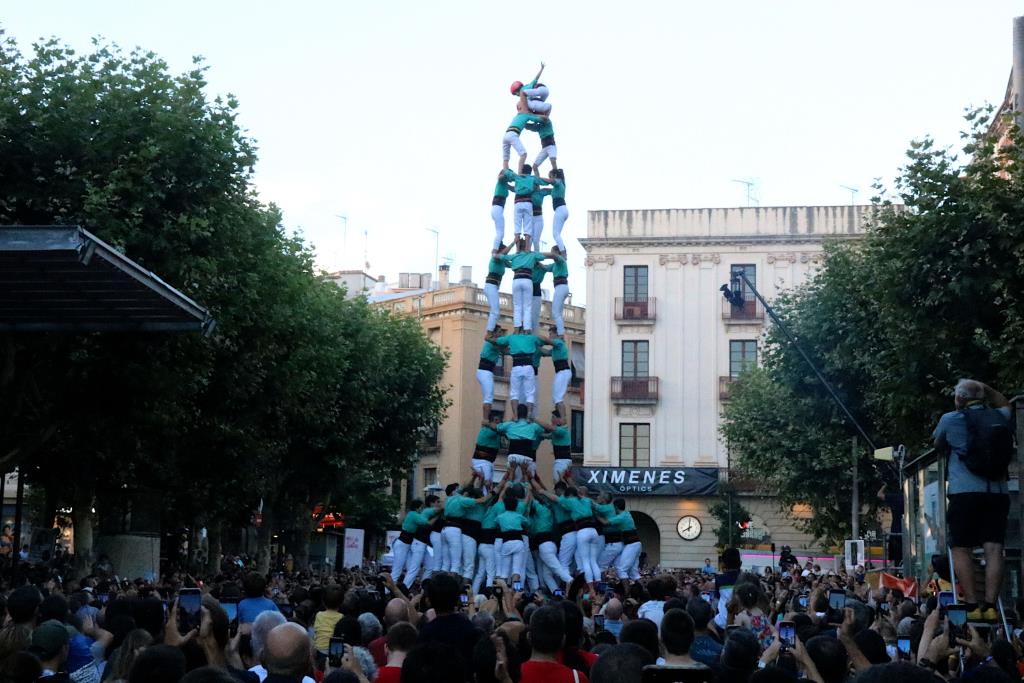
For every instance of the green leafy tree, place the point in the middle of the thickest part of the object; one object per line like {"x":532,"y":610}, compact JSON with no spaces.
{"x":732,"y":518}
{"x":930,"y":294}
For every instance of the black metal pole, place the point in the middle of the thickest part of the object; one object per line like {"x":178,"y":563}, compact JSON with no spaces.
{"x":821,"y":378}
{"x":19,"y":503}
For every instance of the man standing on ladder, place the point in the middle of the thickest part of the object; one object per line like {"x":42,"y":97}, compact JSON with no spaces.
{"x":978,"y":440}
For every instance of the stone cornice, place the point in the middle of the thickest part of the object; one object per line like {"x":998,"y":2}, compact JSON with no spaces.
{"x":713,"y":240}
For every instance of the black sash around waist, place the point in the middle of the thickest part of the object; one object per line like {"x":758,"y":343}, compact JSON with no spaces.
{"x":521,"y":447}
{"x":511,"y":535}
{"x":456,"y":522}
{"x":522,"y":359}
{"x":405,"y":537}
{"x":520,"y":198}
{"x":423,"y":534}
{"x":612,"y":536}
{"x":498,"y":201}
{"x":538,"y":210}
{"x":547,"y":141}
{"x":630,"y":536}
{"x":566,"y":527}
{"x":489,"y":451}
{"x":492,"y":279}
{"x":524,"y":273}
{"x":562,"y":452}
{"x":542,"y":537}
{"x":486,"y":364}
{"x":487,"y":536}
{"x":588,"y":523}
{"x":561,"y":364}
{"x":557,"y":202}
{"x":561,"y":280}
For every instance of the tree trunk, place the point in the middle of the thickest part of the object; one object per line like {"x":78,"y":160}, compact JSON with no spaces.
{"x":213,"y":543}
{"x":303,"y":530}
{"x":264,"y":537}
{"x":84,"y":522}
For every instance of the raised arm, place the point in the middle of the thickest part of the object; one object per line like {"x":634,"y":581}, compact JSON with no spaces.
{"x":537,"y":77}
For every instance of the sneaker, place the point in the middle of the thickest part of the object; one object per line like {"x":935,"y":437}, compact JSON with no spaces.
{"x":975,"y":614}
{"x":989,"y":614}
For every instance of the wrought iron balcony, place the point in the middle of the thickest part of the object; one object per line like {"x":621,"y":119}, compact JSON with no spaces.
{"x":635,"y":390}
{"x":749,"y":313}
{"x":636,"y":310}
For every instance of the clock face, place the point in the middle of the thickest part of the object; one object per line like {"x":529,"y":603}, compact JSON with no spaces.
{"x":688,"y":528}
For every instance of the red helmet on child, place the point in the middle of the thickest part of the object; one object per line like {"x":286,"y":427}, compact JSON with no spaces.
{"x":516,"y":87}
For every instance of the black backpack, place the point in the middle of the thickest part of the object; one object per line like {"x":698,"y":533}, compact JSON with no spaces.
{"x":990,"y":448}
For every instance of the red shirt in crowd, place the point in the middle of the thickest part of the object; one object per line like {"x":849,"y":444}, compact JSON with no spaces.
{"x":549,"y":672}
{"x":389,"y":674}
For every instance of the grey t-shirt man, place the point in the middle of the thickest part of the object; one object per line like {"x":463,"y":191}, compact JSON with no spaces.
{"x":952,"y":432}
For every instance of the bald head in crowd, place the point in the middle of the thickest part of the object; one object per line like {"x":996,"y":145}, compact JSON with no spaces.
{"x":396,"y":611}
{"x":613,"y":609}
{"x":288,"y":651}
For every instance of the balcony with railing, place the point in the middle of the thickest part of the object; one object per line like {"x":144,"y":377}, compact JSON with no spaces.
{"x":635,"y":390}
{"x":748,"y":313}
{"x":636,"y":311}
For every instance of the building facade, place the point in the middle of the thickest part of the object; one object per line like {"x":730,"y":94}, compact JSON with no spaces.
{"x":663,"y":346}
{"x":455,"y":318}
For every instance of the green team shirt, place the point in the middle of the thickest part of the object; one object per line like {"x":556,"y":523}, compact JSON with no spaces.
{"x":488,"y":438}
{"x":559,"y":350}
{"x":502,"y":187}
{"x":537,"y":355}
{"x":511,"y":521}
{"x":538,"y":195}
{"x":579,"y":508}
{"x":606,"y":510}
{"x":414,"y":520}
{"x":520,"y":429}
{"x":528,"y":184}
{"x":542,"y":128}
{"x":560,"y":268}
{"x":524,"y":259}
{"x":539,"y":271}
{"x":561,"y":514}
{"x":541,"y":519}
{"x":621,"y":521}
{"x":519,"y":343}
{"x":490,"y":351}
{"x":558,"y":189}
{"x":496,"y":266}
{"x":458,"y":506}
{"x":561,"y":436}
{"x":520,"y":120}
{"x":476,"y":511}
{"x":491,"y":515}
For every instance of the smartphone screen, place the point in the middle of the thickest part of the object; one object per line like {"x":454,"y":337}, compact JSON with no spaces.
{"x":884,"y":607}
{"x":787,"y":634}
{"x":802,"y":601}
{"x":837,"y":599}
{"x":598,"y":621}
{"x":104,"y":598}
{"x":945,"y":599}
{"x":957,"y":615}
{"x":903,"y":648}
{"x":231,"y":608}
{"x":335,"y":651}
{"x":190,"y":603}
{"x":464,"y":599}
{"x":707,"y":597}
{"x":517,"y":586}
{"x":558,"y":593}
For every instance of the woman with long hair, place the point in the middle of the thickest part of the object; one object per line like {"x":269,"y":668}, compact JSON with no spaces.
{"x":124,"y":656}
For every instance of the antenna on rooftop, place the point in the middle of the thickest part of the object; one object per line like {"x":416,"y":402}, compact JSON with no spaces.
{"x":853,"y":193}
{"x":750,"y":184}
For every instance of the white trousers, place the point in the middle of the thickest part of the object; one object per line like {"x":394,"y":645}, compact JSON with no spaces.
{"x":400,"y":550}
{"x":522,"y":304}
{"x":628,"y":564}
{"x":598,"y":551}
{"x":486,"y":469}
{"x":498,"y":216}
{"x":486,"y":380}
{"x":559,"y":469}
{"x":557,"y":223}
{"x":559,"y":386}
{"x":415,"y":562}
{"x":548,"y":555}
{"x":558,"y":308}
{"x":513,"y":560}
{"x":515,"y":460}
{"x":432,"y":554}
{"x":532,"y":582}
{"x":586,"y":547}
{"x":451,"y":560}
{"x":523,"y":215}
{"x":535,"y":306}
{"x":522,"y":384}
{"x":536,"y":230}
{"x":468,"y":556}
{"x":493,"y":305}
{"x":510,"y":140}
{"x":486,"y":567}
{"x":567,"y":550}
{"x":548,"y":151}
{"x":608,"y":556}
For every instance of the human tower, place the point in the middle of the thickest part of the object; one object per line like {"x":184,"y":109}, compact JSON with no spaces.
{"x":517,"y":529}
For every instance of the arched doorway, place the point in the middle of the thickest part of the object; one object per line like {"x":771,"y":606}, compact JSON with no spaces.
{"x":650,"y":537}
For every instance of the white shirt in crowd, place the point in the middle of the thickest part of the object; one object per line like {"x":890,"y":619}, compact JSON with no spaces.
{"x":262,"y":673}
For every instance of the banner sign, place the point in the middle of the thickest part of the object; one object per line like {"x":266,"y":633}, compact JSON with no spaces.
{"x":353,"y":553}
{"x":648,"y":481}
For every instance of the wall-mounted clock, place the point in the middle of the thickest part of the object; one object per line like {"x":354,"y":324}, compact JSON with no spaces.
{"x":688,"y":528}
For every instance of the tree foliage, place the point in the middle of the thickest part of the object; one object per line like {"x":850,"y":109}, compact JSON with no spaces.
{"x":297,"y":392}
{"x":930,"y":294}
{"x":732,"y":518}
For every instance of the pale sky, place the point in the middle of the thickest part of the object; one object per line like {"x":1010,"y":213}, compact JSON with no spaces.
{"x":392,"y":113}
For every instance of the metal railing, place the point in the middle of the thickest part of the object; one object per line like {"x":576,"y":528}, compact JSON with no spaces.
{"x":750,"y":313}
{"x":636,"y":310}
{"x":634,"y":390}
